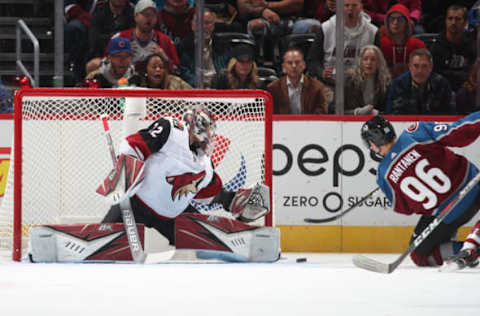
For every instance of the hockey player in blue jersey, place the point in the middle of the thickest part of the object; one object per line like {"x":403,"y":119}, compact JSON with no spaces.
{"x":419,"y":174}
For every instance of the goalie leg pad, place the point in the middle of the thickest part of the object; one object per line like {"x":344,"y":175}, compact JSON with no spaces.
{"x":226,"y":239}
{"x":250,"y":204}
{"x":80,"y":243}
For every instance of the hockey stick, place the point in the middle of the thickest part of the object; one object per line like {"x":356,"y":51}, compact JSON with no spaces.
{"x":367,"y":263}
{"x":127,"y":215}
{"x":330,"y":219}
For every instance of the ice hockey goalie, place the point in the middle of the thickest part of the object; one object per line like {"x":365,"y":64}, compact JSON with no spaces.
{"x":179,"y":174}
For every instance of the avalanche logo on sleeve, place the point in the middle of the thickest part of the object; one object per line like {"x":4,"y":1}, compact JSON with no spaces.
{"x":185,"y":183}
{"x":412,"y":127}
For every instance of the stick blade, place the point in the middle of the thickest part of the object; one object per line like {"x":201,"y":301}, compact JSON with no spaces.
{"x":367,"y":263}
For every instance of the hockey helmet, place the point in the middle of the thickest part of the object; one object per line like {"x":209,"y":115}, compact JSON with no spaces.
{"x":201,"y":124}
{"x":377,"y":130}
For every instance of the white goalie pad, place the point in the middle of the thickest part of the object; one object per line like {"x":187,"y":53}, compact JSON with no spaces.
{"x":214,"y":237}
{"x":249,"y":205}
{"x":80,"y":243}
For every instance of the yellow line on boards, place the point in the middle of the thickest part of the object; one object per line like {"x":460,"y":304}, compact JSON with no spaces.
{"x":361,"y":239}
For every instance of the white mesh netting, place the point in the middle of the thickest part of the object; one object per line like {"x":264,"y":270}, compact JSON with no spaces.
{"x":65,"y":156}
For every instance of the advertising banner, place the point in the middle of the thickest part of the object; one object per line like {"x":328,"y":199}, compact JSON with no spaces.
{"x":322,"y":167}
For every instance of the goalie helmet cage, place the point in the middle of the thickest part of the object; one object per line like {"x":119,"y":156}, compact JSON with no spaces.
{"x":60,"y":156}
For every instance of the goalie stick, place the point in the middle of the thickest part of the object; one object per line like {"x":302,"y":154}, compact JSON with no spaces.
{"x":127,"y":215}
{"x":367,"y":263}
{"x":331,"y":219}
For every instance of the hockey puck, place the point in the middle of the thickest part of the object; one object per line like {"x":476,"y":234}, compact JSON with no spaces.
{"x":301,"y":259}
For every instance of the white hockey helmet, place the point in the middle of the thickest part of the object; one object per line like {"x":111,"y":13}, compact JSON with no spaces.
{"x":202,"y":125}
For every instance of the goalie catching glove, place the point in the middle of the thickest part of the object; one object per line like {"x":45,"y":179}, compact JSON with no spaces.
{"x":250,"y":204}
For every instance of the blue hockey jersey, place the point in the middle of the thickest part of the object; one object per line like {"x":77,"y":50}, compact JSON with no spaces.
{"x":421,"y":175}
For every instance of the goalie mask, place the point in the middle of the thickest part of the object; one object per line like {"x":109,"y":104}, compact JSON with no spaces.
{"x":201,"y":124}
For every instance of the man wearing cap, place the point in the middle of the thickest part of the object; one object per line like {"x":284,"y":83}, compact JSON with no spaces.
{"x":145,"y":40}
{"x":116,"y":65}
{"x":241,"y":72}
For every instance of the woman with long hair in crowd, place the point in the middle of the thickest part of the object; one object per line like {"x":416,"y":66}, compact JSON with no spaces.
{"x":367,"y":83}
{"x":155,"y":75}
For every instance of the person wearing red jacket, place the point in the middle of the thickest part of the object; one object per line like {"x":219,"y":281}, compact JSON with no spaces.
{"x":378,"y":9}
{"x":398,"y":43}
{"x":175,"y":19}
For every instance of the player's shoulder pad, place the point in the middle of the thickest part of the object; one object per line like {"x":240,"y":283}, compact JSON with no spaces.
{"x":157,"y":134}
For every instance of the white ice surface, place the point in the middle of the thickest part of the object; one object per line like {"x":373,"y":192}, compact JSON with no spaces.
{"x":327,"y":284}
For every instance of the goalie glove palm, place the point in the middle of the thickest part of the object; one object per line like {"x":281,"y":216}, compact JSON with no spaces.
{"x":251,"y":204}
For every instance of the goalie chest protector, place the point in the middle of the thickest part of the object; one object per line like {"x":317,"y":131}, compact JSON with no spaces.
{"x":174,"y":174}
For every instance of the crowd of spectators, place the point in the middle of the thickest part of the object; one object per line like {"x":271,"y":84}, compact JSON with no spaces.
{"x":389,"y":66}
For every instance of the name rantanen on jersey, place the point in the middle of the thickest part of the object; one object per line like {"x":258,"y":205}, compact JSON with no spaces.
{"x":403,"y":164}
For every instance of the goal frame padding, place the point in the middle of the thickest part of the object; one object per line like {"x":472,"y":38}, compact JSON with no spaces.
{"x":149,"y":93}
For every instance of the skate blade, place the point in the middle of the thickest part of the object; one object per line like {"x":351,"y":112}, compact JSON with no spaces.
{"x":450,"y":266}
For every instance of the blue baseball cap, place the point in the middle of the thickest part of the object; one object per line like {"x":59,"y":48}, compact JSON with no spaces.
{"x":119,"y":45}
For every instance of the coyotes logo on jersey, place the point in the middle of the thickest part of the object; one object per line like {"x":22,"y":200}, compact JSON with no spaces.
{"x":185,"y":183}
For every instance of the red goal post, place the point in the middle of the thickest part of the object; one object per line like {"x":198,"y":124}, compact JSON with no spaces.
{"x":60,"y":155}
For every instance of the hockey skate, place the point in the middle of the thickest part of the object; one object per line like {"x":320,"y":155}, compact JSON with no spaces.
{"x":466,"y":258}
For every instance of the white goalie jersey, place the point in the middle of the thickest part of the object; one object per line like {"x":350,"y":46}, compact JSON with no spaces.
{"x":174,"y":173}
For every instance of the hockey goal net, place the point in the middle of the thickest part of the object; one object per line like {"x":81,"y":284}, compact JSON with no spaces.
{"x":60,"y":154}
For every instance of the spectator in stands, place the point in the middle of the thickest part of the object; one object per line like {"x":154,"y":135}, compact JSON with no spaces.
{"x":296,"y":93}
{"x":398,"y":43}
{"x":264,"y":16}
{"x":433,"y":12}
{"x":358,"y":32}
{"x":109,"y":17}
{"x":162,"y":3}
{"x":367,"y":84}
{"x":267,"y":21}
{"x":175,"y":19}
{"x":6,"y":101}
{"x":117,"y":65}
{"x":378,"y":9}
{"x":226,"y":16}
{"x":314,"y":13}
{"x":455,"y":51}
{"x":214,"y":59}
{"x":466,"y":97}
{"x":155,"y":75}
{"x":77,"y":22}
{"x":241,"y":72}
{"x":146,"y":40}
{"x":325,"y":9}
{"x":420,"y":91}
